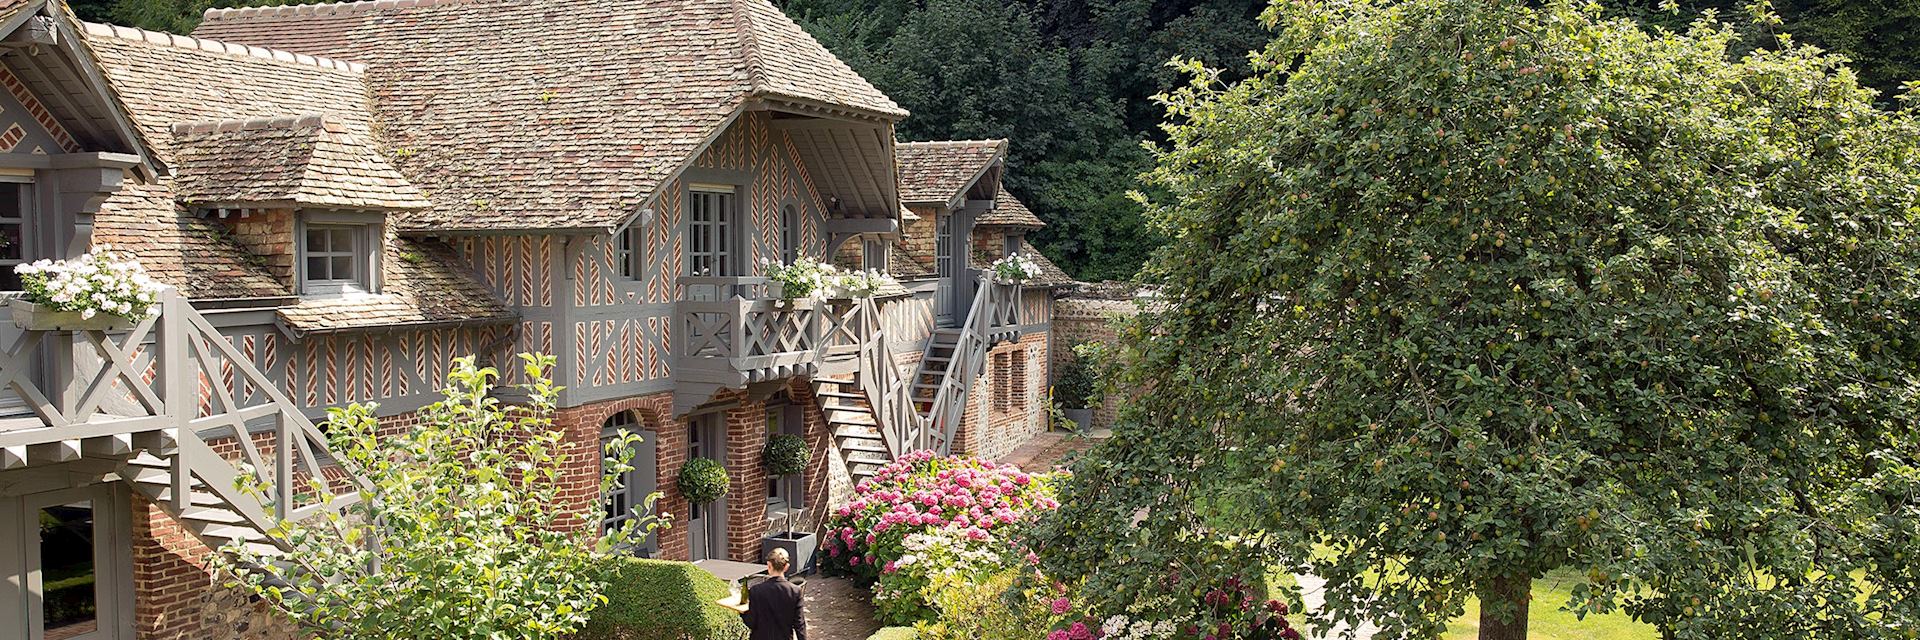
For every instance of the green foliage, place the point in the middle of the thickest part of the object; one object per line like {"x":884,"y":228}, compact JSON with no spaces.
{"x":703,"y":480}
{"x":461,"y":530}
{"x":1073,"y":384}
{"x":1881,"y":40}
{"x":786,"y":454}
{"x":895,"y":633}
{"x":1463,"y":292}
{"x":661,"y":600}
{"x":987,"y":606}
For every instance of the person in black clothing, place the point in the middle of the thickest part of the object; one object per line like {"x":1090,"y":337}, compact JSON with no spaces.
{"x":775,"y":610}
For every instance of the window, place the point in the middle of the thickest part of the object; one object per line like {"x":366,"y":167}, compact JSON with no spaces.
{"x":789,"y":234}
{"x":710,"y":231}
{"x":873,"y":255}
{"x":943,"y":246}
{"x":338,"y":257}
{"x":14,"y":233}
{"x":635,"y":484}
{"x":628,"y":252}
{"x":70,"y":569}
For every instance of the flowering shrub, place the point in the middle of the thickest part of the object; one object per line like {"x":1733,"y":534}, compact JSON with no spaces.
{"x":1235,"y":610}
{"x":101,"y":281}
{"x":901,"y":595}
{"x":1015,"y":268}
{"x":924,"y":516}
{"x":920,"y":492}
{"x":805,"y":278}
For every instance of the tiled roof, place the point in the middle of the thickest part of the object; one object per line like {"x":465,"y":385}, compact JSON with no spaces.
{"x":296,"y":161}
{"x":545,"y":114}
{"x":163,"y":79}
{"x":1051,"y":275}
{"x":1009,"y":212}
{"x":902,"y":266}
{"x":422,"y":286}
{"x":939,"y":171}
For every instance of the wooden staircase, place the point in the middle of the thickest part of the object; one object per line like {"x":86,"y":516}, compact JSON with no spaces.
{"x":878,"y":414}
{"x":850,"y":418}
{"x":207,"y":516}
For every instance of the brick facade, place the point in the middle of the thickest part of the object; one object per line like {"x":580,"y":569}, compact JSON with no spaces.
{"x":267,"y":234}
{"x":1008,"y":404}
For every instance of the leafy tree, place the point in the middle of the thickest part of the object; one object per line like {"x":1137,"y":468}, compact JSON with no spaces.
{"x":1464,"y":291}
{"x":461,"y":531}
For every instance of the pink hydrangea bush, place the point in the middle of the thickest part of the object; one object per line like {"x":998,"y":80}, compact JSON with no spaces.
{"x":921,"y":492}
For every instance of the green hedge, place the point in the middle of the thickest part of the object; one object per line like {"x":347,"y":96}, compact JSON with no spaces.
{"x":661,"y":600}
{"x":895,"y":633}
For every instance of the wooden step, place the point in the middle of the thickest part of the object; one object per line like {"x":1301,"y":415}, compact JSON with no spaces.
{"x":867,"y":457}
{"x":867,"y":431}
{"x":850,"y":418}
{"x":872,"y":445}
{"x":840,"y":394}
{"x":214,"y":514}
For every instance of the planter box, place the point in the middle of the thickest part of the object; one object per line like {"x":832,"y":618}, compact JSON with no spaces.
{"x":34,"y":317}
{"x":800,"y":547}
{"x":1082,"y":418}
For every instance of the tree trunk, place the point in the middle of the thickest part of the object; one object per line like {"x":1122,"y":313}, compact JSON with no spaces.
{"x":1503,"y":607}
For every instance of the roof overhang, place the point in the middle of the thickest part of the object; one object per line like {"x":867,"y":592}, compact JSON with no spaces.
{"x":45,"y":45}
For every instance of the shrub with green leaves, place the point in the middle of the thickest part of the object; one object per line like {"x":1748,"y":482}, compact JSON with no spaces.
{"x":703,"y":480}
{"x":786,"y":454}
{"x":461,"y":530}
{"x":661,"y":600}
{"x":1465,"y":291}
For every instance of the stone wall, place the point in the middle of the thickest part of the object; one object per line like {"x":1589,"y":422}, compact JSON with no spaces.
{"x":1079,"y":320}
{"x":1008,"y":404}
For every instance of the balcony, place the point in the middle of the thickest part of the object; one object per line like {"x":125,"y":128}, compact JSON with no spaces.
{"x":731,"y":332}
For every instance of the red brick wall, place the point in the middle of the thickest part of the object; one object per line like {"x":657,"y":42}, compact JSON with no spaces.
{"x":1003,"y":411}
{"x":268,"y":234}
{"x":1081,"y":320}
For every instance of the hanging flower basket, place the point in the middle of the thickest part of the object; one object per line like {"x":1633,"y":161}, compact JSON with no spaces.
{"x":35,"y":317}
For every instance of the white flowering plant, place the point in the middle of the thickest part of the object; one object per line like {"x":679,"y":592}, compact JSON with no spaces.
{"x":805,"y":278}
{"x":101,"y":281}
{"x":1015,"y":268}
{"x":865,"y":284}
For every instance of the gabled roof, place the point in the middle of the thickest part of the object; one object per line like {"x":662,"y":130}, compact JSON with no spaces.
{"x":557,"y":114}
{"x":304,"y":161}
{"x":163,"y":79}
{"x":939,"y":172}
{"x":1008,"y":212}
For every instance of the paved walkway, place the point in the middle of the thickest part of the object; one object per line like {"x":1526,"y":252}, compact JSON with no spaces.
{"x":1045,"y":450}
{"x":838,"y":610}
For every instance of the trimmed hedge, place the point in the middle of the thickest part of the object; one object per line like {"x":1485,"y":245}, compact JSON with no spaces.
{"x":661,"y":600}
{"x":895,"y":633}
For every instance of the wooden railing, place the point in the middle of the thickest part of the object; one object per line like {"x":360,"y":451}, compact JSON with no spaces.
{"x":174,"y":373}
{"x":993,"y":317}
{"x":733,"y":331}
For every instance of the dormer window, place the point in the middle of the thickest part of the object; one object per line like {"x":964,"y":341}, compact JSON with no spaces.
{"x":338,"y":254}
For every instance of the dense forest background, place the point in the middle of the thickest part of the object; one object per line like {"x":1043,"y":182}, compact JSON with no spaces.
{"x":1071,"y":82}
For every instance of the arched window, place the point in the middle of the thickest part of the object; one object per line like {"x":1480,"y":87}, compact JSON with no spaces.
{"x":625,"y":502}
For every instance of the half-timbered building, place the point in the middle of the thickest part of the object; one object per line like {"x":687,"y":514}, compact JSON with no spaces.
{"x":344,"y":197}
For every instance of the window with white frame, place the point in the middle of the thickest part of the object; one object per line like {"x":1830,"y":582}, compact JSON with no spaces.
{"x":339,"y":253}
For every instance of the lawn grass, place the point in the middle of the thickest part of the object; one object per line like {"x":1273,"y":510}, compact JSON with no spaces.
{"x":1547,"y":622}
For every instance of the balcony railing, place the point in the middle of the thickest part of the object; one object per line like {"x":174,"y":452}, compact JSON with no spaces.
{"x":734,"y":331}
{"x":171,"y":385}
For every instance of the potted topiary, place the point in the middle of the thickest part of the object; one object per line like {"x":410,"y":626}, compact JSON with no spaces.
{"x":702,"y":480}
{"x":1073,"y":392}
{"x":786,"y":455}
